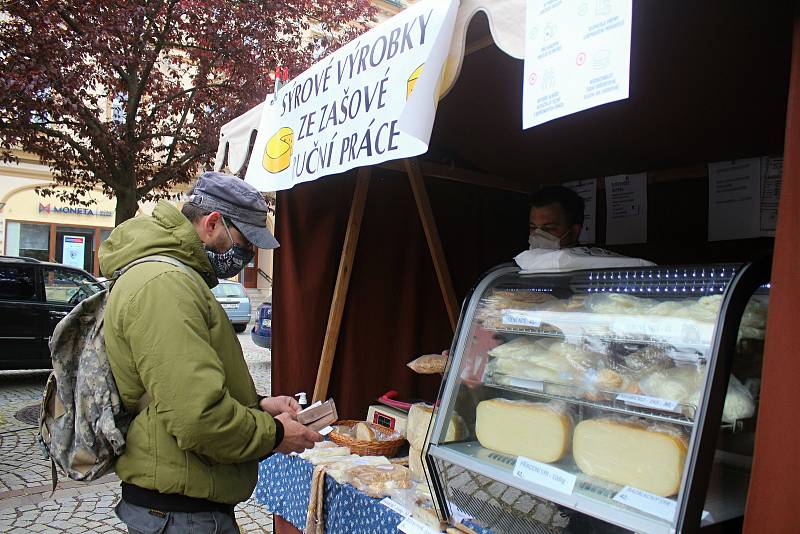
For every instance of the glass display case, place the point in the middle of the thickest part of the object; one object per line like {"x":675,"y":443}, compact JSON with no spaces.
{"x":606,"y":400}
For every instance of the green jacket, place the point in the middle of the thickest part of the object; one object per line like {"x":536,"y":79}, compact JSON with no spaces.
{"x":202,"y":433}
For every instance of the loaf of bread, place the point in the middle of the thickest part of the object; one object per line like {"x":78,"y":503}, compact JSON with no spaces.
{"x":631,"y":454}
{"x":539,"y":431}
{"x":364,"y":432}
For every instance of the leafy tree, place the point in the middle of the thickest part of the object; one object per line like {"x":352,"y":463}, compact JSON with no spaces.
{"x":129,"y":95}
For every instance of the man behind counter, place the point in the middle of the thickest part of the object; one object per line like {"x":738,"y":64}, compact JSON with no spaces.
{"x":556,"y":218}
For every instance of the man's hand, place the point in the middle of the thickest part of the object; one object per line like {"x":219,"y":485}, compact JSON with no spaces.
{"x":278,"y":405}
{"x":296,"y":437}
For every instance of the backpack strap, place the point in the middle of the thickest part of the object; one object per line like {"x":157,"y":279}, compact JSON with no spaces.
{"x":155,"y":258}
{"x":144,"y":400}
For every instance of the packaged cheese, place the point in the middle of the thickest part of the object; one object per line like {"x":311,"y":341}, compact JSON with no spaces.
{"x":631,"y":453}
{"x":540,"y":431}
{"x":417,"y":465}
{"x":419,"y":419}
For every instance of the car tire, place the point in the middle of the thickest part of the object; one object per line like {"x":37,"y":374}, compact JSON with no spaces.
{"x":239,"y":328}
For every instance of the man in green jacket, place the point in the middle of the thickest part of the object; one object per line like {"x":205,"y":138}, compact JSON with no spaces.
{"x":192,"y":453}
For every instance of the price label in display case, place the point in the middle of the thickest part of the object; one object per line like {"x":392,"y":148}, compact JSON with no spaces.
{"x":544,"y":475}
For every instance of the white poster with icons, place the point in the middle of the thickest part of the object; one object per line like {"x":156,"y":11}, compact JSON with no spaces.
{"x":626,"y":209}
{"x":577,"y":56}
{"x":587,"y":190}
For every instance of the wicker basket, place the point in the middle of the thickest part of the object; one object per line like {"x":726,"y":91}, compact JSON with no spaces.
{"x":362,"y":447}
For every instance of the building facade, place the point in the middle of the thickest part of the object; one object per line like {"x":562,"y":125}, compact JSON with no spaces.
{"x":48,"y":229}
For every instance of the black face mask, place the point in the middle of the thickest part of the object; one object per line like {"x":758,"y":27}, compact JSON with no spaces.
{"x":231,"y":262}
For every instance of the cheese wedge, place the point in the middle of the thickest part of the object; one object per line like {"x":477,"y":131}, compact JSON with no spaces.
{"x":630,"y":454}
{"x":278,"y":152}
{"x":535,"y":430}
{"x":419,"y":419}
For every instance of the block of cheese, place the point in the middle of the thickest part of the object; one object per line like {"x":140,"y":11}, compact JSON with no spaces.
{"x":419,"y":419}
{"x":539,"y":431}
{"x":631,"y":454}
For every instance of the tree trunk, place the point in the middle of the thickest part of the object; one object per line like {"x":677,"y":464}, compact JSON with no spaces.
{"x":127,"y":204}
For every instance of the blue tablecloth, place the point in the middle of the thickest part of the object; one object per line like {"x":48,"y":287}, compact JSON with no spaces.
{"x":283,"y":487}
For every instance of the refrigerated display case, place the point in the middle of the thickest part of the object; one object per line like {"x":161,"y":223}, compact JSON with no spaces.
{"x":608,"y":399}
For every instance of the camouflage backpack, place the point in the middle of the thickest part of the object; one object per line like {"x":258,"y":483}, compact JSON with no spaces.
{"x":82,"y":422}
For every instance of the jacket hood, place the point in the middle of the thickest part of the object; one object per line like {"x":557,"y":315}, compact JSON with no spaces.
{"x":167,"y":232}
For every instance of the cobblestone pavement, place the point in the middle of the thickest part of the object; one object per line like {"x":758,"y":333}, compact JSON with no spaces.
{"x":25,"y":501}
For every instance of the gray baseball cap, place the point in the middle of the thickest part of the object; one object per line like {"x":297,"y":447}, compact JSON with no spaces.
{"x":237,"y":201}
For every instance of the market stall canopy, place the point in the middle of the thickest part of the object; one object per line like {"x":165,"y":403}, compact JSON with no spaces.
{"x":505,"y":28}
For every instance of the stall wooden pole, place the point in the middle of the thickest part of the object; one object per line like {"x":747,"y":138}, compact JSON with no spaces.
{"x":774,"y":493}
{"x":342,"y":284}
{"x":432,"y":235}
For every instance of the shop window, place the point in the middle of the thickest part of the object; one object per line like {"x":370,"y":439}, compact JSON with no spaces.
{"x":30,"y":240}
{"x":63,"y":286}
{"x":17,"y":283}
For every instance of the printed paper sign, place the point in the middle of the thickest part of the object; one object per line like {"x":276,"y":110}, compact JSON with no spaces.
{"x":373,"y":100}
{"x":587,"y":190}
{"x":395,"y":507}
{"x":544,"y":475}
{"x":647,"y":502}
{"x":626,"y":209}
{"x":577,"y":56}
{"x":770,"y":194}
{"x":734,"y":194}
{"x":648,"y":402}
{"x":521,"y":318}
{"x":409,"y":525}
{"x":73,"y":251}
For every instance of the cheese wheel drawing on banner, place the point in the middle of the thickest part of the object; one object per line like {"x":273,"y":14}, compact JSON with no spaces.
{"x":412,"y":80}
{"x":278,"y":154}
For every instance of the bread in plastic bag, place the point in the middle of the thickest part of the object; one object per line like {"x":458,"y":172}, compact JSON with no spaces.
{"x":631,"y":452}
{"x":537,"y":430}
{"x":429,"y":364}
{"x":379,"y":480}
{"x":739,"y":403}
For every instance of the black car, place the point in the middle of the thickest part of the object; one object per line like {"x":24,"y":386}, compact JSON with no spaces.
{"x":34,"y":297}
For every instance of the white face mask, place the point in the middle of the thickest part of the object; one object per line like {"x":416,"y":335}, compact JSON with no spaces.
{"x":541,"y":239}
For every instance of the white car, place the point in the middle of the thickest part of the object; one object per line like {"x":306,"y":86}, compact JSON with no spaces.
{"x":234,"y":300}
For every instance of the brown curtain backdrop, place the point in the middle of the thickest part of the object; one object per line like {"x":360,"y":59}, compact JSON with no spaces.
{"x":394,"y":310}
{"x":774,"y":490}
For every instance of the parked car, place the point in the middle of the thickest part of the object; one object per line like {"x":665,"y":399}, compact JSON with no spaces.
{"x":34,"y":297}
{"x":234,"y":300}
{"x":261,"y":334}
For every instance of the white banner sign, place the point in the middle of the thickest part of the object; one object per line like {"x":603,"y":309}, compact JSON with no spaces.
{"x":577,"y":56}
{"x":373,"y":100}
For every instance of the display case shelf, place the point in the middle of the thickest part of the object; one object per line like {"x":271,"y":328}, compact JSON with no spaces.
{"x":615,"y":406}
{"x":725,"y":500}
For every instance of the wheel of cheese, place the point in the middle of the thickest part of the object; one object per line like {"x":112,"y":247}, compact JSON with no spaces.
{"x":534,"y":430}
{"x":630,"y":454}
{"x":412,"y":80}
{"x":278,"y":153}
